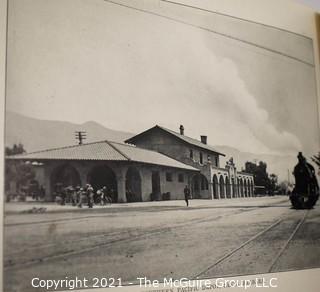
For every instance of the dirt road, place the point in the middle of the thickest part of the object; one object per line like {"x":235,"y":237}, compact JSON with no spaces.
{"x":160,"y":239}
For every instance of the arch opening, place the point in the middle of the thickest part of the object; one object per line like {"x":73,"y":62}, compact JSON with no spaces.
{"x":240,"y":184}
{"x":245,"y":188}
{"x":199,"y":186}
{"x":133,"y":185}
{"x":215,"y":186}
{"x":234,"y":188}
{"x":103,"y":176}
{"x":64,"y":176}
{"x":251,"y":189}
{"x":228,"y":188}
{"x":222,"y":187}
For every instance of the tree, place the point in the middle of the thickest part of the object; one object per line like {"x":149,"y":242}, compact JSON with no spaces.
{"x":283,"y":187}
{"x":316,"y":159}
{"x":17,"y":172}
{"x":261,"y":176}
{"x":273,"y":180}
{"x":16,"y":149}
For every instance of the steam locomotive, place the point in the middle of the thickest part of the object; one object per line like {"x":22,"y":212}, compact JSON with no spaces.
{"x":306,"y":191}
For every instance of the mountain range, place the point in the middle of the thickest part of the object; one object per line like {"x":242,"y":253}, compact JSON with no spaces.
{"x":37,"y":134}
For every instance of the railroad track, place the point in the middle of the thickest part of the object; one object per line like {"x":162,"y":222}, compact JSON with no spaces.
{"x":301,"y":221}
{"x":194,"y":221}
{"x":103,"y":240}
{"x":272,"y":264}
{"x":74,"y":218}
{"x":111,"y":213}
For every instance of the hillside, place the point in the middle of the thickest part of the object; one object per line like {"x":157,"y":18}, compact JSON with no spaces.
{"x":37,"y":134}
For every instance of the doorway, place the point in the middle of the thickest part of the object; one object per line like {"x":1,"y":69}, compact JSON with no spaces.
{"x":156,"y":188}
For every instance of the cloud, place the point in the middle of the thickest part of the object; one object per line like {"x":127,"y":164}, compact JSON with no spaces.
{"x":218,"y":83}
{"x":130,"y":71}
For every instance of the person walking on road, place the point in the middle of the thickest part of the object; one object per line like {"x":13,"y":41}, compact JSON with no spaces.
{"x":186,"y":195}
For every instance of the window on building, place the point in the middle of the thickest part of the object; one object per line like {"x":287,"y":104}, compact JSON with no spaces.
{"x":216,"y":161}
{"x":191,"y":154}
{"x":168,"y":176}
{"x":209,"y":158}
{"x":201,"y":158}
{"x":181,"y":177}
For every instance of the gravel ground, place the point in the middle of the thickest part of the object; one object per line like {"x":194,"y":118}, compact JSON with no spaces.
{"x":154,"y":239}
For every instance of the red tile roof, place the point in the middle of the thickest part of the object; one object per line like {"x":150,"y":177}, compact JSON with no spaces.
{"x":106,"y":151}
{"x":184,"y":138}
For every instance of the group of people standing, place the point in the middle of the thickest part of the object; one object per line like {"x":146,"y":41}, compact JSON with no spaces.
{"x":79,"y":196}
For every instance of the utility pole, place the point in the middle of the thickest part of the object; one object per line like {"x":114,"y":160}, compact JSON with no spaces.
{"x":80,"y":136}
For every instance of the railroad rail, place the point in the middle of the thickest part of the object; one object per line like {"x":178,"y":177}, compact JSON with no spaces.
{"x":106,"y":239}
{"x":269,"y":268}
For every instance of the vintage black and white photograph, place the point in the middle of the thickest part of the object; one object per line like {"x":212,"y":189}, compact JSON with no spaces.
{"x":157,"y":139}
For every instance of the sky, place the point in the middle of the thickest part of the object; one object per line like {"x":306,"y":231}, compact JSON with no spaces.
{"x":97,"y":61}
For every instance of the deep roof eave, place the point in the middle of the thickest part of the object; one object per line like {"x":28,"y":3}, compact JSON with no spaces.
{"x":188,"y":168}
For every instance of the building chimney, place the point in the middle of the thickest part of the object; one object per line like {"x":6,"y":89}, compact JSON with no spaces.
{"x":181,"y":130}
{"x":203,"y":139}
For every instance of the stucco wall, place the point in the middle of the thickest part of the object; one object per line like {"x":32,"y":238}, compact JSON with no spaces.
{"x":174,"y":187}
{"x":163,"y":142}
{"x":120,"y":170}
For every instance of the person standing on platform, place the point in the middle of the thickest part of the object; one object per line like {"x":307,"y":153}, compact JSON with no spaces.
{"x":186,"y":195}
{"x":90,"y":195}
{"x":83,"y":195}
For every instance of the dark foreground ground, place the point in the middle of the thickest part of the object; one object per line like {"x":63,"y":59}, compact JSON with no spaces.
{"x":159,"y":239}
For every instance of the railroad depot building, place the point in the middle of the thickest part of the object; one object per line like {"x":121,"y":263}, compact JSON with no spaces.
{"x":153,"y":165}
